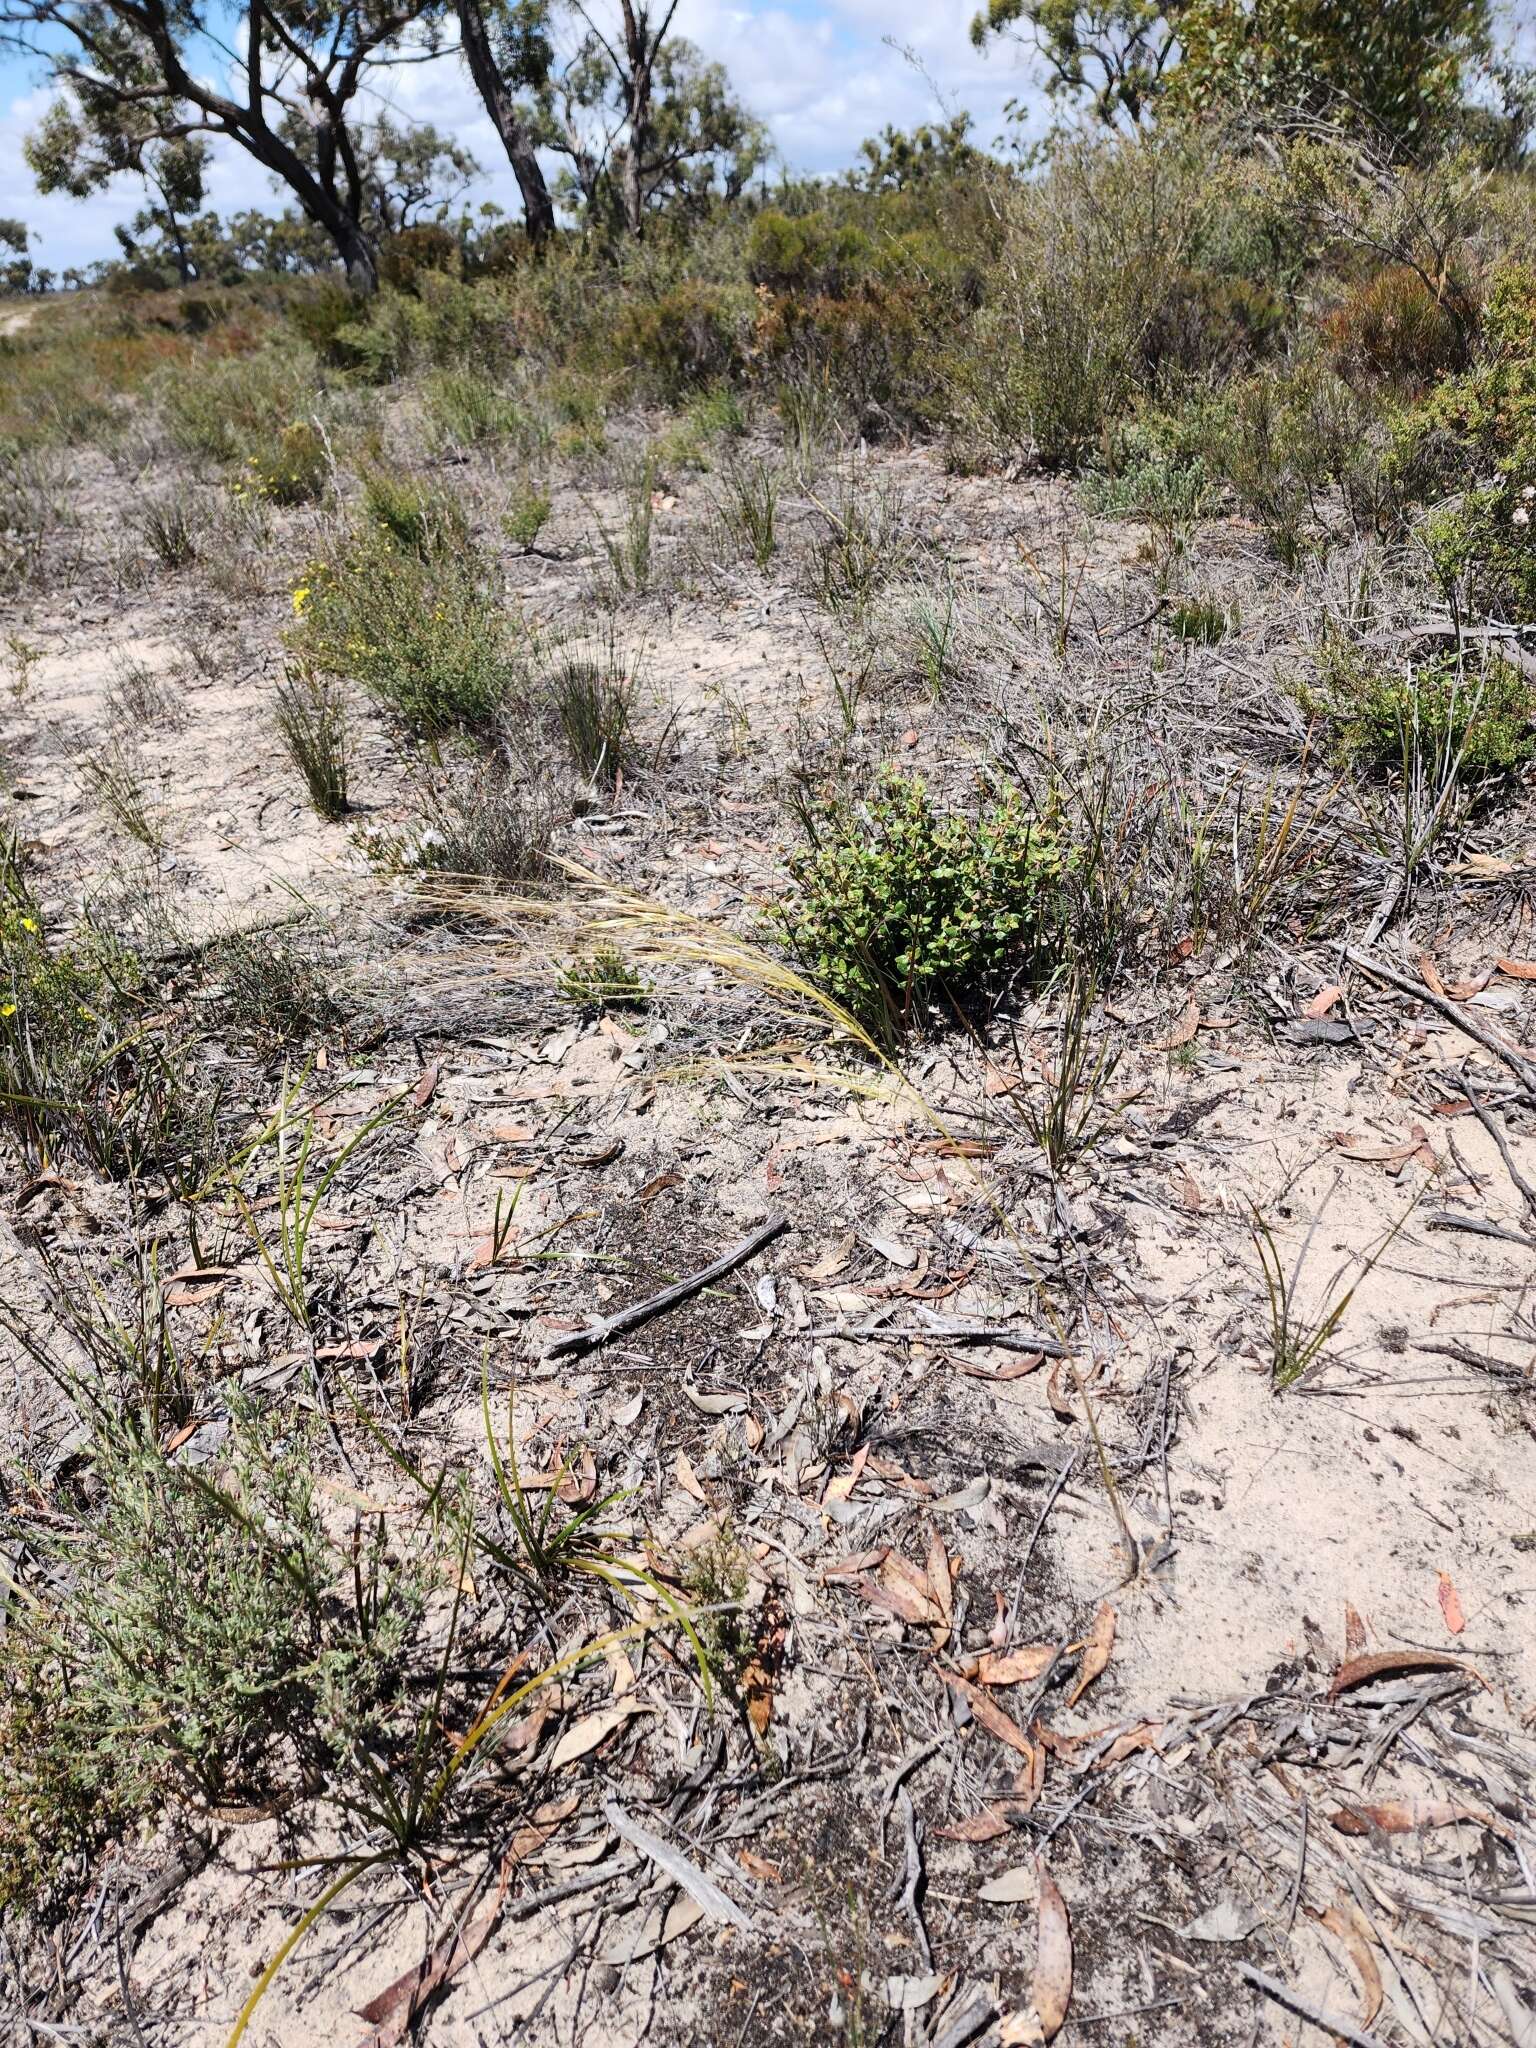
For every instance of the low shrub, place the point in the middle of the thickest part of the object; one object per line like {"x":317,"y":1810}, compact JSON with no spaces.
{"x":602,"y":980}
{"x":312,"y":721}
{"x":693,"y":335}
{"x":292,"y":468}
{"x":422,"y":519}
{"x":429,"y":637}
{"x":1448,"y":716}
{"x":186,"y":1642}
{"x":465,"y":410}
{"x":898,"y":908}
{"x":1392,"y":326}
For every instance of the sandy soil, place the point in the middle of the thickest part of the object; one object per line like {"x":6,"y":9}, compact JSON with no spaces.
{"x":1233,"y":1791}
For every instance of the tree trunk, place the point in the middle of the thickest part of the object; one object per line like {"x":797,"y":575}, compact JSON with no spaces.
{"x":357,"y":253}
{"x":538,"y":208}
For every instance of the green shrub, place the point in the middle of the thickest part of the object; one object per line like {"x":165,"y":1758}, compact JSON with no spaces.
{"x":1155,"y":470}
{"x":809,"y":254}
{"x":422,"y":519}
{"x":527,"y":516}
{"x":603,"y":980}
{"x":429,"y":638}
{"x":465,"y":410}
{"x":291,"y":469}
{"x":1295,"y":444}
{"x":80,"y":1077}
{"x":188,"y":1643}
{"x":898,"y":908}
{"x":223,"y":407}
{"x":1446,"y":716}
{"x":1200,"y":620}
{"x":695,"y":334}
{"x":1473,"y":440}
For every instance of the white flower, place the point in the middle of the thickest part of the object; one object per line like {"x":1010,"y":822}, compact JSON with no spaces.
{"x":1520,"y":516}
{"x":1529,"y":492}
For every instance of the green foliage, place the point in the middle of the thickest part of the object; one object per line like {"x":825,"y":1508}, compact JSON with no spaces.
{"x":1472,"y":444}
{"x":223,"y":407}
{"x":428,"y":637}
{"x":293,"y":467}
{"x":189,"y":1643}
{"x":1293,"y":444}
{"x":810,"y":253}
{"x":527,"y":516}
{"x":1200,"y":620}
{"x":591,"y":691}
{"x":603,"y":980}
{"x":422,"y":519}
{"x":312,"y":720}
{"x":465,"y":410}
{"x":695,"y":334}
{"x":899,"y":909}
{"x":1452,"y":717}
{"x":864,"y":541}
{"x":79,"y":1076}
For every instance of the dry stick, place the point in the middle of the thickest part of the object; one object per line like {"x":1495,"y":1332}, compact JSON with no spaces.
{"x":627,"y":1319}
{"x":1282,"y":1995}
{"x":1490,"y":1041}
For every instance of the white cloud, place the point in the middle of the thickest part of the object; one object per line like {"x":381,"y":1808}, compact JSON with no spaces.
{"x":821,"y":82}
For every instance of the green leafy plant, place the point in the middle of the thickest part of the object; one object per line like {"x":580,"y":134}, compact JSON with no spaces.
{"x":292,"y":468}
{"x":527,"y":516}
{"x":749,"y":509}
{"x":421,"y":519}
{"x":602,"y":980}
{"x":898,"y":907}
{"x":429,"y":638}
{"x":1455,"y":717}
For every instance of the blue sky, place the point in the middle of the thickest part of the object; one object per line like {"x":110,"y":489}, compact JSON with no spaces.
{"x":821,"y":77}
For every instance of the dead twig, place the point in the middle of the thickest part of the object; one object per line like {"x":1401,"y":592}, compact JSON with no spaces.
{"x":608,"y":1327}
{"x":1456,"y":1013}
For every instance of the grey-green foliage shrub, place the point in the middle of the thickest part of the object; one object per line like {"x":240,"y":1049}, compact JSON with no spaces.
{"x":1469,"y":450}
{"x":899,"y":907}
{"x":412,"y":615}
{"x":1114,"y":274}
{"x":187,"y":1641}
{"x":1297,"y":444}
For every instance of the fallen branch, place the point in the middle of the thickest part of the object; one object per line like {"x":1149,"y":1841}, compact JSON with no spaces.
{"x":606,"y":1328}
{"x":1457,"y":1013}
{"x":1329,"y":2022}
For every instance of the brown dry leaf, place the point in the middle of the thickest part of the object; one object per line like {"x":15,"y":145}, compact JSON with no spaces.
{"x":1050,"y":1990}
{"x":991,"y":1715}
{"x":1323,"y":1001}
{"x":1096,"y":1648}
{"x":831,"y":1261}
{"x":426,"y":1087}
{"x":1450,"y":1604}
{"x":534,"y":1835}
{"x":1430,"y":975}
{"x":1015,"y":1667}
{"x":1345,"y":1919}
{"x":1517,"y":970}
{"x":1397,"y":1664}
{"x":1354,"y":1632}
{"x":513,"y":1134}
{"x":659,"y":1186}
{"x":585,"y":1735}
{"x":1015,"y":1369}
{"x":1464,"y":991}
{"x":941,"y":1581}
{"x":759,"y":1867}
{"x":1188,"y":1192}
{"x":1060,"y":1405}
{"x":688,"y":1479}
{"x":394,"y":2011}
{"x":1407,"y":1816}
{"x":1183,"y":1032}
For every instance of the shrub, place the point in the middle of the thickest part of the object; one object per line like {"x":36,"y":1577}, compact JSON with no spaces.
{"x":527,"y":516}
{"x":897,"y":906}
{"x":1452,"y":717}
{"x":168,"y":526}
{"x":1293,"y":444}
{"x":222,"y":407}
{"x":810,"y":254}
{"x":429,"y":638}
{"x":1393,"y":326}
{"x":481,"y":819}
{"x":291,"y":469}
{"x":188,"y":1643}
{"x":695,"y":334}
{"x":1474,"y":439}
{"x":79,"y":1075}
{"x":603,"y":980}
{"x":864,"y":543}
{"x":465,"y":410}
{"x":591,"y":690}
{"x":422,"y":519}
